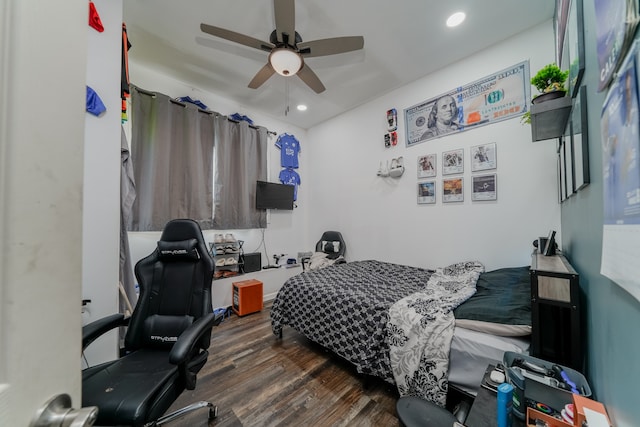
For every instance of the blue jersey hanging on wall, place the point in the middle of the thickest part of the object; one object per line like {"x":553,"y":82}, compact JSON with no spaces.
{"x":290,"y":177}
{"x":289,"y":149}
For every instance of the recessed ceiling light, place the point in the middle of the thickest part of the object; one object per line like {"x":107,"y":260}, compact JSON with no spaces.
{"x":456,"y":19}
{"x":302,"y":107}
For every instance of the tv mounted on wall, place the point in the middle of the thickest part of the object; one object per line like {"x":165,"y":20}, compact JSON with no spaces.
{"x":270,"y":195}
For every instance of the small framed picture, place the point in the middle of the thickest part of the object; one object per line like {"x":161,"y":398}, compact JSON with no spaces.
{"x":392,"y":120}
{"x":484,"y":187}
{"x":580,"y":139}
{"x":427,"y":166}
{"x":452,"y":190}
{"x":483,"y":157}
{"x":569,"y":174}
{"x":390,"y":138}
{"x":561,"y":171}
{"x":426,"y":192}
{"x":452,"y":162}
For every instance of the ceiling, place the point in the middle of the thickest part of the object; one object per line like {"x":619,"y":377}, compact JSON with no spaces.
{"x":403,"y":41}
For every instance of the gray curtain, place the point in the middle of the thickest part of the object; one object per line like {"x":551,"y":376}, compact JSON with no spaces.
{"x":172,"y":149}
{"x":241,"y":160}
{"x":127,"y":197}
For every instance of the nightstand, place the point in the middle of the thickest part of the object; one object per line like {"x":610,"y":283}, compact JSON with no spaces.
{"x":555,"y":311}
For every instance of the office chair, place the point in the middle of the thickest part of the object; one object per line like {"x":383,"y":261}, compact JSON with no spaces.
{"x":331,"y":243}
{"x":167,"y":337}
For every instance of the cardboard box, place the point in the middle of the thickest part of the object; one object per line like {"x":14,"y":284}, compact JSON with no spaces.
{"x":581,"y":402}
{"x":533,"y":414}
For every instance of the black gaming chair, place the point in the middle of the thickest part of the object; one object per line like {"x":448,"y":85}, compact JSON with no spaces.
{"x":167,"y":338}
{"x":331,"y":243}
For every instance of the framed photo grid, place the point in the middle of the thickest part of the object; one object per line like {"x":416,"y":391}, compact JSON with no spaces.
{"x":484,"y":186}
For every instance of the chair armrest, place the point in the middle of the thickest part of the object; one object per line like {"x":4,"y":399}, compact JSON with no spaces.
{"x":94,"y":330}
{"x":190,"y":336}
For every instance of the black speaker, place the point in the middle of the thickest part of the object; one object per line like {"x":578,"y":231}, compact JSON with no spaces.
{"x":252,"y":262}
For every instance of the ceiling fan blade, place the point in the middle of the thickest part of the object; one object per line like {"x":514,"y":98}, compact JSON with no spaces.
{"x":236,"y":37}
{"x":261,"y":76}
{"x":311,"y":79}
{"x":285,"y":13}
{"x":330,"y":46}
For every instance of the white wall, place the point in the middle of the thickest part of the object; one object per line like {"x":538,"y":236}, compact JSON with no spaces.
{"x":101,"y":194}
{"x":380,"y":218}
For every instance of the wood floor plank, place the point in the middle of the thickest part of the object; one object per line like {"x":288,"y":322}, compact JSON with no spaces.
{"x":257,"y":379}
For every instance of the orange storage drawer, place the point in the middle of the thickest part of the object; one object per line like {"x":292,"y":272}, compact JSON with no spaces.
{"x":246,"y":296}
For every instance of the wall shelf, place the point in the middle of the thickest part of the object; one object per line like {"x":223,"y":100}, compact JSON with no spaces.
{"x":549,"y":118}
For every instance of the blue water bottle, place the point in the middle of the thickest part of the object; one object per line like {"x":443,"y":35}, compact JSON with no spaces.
{"x":505,"y":404}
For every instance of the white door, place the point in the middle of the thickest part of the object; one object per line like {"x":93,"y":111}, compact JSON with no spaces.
{"x":43,"y":51}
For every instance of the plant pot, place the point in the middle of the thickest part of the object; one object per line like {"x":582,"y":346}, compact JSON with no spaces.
{"x":548,"y":96}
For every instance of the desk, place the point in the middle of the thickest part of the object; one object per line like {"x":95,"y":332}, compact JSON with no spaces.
{"x":484,"y":411}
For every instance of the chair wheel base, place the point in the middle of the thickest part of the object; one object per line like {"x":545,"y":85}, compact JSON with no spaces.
{"x":213,"y":413}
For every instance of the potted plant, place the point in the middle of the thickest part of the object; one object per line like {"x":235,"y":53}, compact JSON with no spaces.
{"x":549,"y":81}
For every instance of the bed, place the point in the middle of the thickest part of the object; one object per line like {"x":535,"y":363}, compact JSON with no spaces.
{"x":417,"y":328}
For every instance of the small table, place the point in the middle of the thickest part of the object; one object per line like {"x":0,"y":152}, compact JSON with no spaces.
{"x":484,"y":409}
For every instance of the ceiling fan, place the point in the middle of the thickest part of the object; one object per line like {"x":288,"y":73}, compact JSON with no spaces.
{"x":287,"y":50}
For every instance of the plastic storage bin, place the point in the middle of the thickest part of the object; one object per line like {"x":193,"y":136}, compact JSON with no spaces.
{"x":541,"y":389}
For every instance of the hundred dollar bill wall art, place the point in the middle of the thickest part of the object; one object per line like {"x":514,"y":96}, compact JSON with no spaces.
{"x":500,"y":96}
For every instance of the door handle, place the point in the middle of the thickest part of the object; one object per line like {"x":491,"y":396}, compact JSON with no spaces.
{"x":57,"y":412}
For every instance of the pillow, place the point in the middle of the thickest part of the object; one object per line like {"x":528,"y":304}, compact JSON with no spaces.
{"x":330,"y":246}
{"x":503,"y":296}
{"x":181,"y":250}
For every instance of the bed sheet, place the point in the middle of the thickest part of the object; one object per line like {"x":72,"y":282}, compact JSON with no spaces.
{"x":471,"y":352}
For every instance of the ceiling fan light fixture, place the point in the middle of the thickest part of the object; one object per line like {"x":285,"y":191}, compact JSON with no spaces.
{"x":285,"y":62}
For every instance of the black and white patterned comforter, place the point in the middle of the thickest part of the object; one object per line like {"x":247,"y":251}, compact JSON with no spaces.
{"x":420,"y":331}
{"x":345,"y":308}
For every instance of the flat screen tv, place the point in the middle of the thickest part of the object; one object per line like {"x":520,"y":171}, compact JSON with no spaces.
{"x":270,"y":195}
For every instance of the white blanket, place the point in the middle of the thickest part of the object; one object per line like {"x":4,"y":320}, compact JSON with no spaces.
{"x":320,"y":260}
{"x":420,"y":330}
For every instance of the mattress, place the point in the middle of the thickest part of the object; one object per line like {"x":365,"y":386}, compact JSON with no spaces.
{"x":471,"y":352}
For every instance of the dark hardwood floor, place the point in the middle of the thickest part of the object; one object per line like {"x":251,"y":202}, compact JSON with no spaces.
{"x":256,"y":379}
